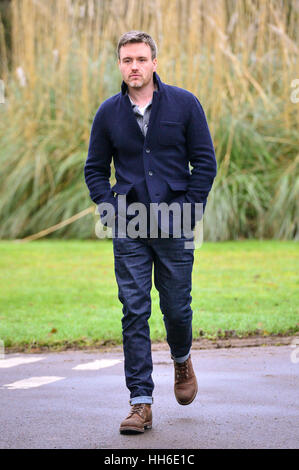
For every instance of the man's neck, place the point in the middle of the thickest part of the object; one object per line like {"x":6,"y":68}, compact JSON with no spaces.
{"x":142,"y":96}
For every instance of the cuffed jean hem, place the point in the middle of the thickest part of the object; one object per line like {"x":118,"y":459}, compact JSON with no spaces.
{"x":180,"y":359}
{"x":142,"y":399}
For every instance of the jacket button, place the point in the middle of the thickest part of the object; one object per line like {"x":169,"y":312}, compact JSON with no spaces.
{"x":150,"y":173}
{"x":147,"y":150}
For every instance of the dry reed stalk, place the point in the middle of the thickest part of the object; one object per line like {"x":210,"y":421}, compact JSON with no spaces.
{"x":201,"y":40}
{"x":3,"y":51}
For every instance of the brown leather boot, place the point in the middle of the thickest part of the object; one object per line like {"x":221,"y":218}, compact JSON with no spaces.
{"x":139,"y":419}
{"x":185,"y":383}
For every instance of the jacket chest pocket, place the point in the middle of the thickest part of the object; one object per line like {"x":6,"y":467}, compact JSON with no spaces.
{"x":171,"y":133}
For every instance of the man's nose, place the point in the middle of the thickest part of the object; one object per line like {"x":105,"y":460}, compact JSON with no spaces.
{"x":134,"y":65}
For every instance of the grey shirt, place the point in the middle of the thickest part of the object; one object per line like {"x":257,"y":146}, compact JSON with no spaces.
{"x":142,"y":115}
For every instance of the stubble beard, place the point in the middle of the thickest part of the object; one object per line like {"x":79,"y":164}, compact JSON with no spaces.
{"x":136,"y":83}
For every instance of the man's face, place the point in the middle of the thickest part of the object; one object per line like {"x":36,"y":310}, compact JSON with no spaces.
{"x":136,"y":64}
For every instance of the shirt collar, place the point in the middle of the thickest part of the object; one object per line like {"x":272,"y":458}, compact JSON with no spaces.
{"x":134,"y":105}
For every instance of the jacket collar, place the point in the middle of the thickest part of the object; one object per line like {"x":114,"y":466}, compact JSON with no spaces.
{"x":157,"y":81}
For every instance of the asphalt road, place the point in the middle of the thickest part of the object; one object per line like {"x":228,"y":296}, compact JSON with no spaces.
{"x":248,"y":398}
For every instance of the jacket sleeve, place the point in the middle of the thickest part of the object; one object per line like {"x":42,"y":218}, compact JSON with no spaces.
{"x":97,"y":169}
{"x":201,"y":155}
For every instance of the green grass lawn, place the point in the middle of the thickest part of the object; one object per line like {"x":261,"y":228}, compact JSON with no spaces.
{"x":55,"y":293}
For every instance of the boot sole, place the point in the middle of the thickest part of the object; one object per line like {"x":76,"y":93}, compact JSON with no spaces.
{"x":191,"y":400}
{"x":134,"y":430}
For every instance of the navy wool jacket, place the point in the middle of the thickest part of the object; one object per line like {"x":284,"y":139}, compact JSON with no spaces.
{"x":175,"y":162}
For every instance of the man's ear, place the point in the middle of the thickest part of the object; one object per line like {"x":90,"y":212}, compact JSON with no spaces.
{"x":155,"y":62}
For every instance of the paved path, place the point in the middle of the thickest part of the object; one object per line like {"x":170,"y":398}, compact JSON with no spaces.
{"x":248,"y":398}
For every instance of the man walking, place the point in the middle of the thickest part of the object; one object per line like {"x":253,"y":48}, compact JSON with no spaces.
{"x":153,"y":132}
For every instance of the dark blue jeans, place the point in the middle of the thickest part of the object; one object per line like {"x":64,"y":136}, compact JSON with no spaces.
{"x":173,"y":265}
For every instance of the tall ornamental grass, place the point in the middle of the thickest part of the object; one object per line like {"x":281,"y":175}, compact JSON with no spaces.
{"x":239,"y":57}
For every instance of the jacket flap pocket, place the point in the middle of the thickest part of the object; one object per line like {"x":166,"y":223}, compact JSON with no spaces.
{"x":178,"y":185}
{"x":170,"y":123}
{"x":171,"y":133}
{"x":122,"y":187}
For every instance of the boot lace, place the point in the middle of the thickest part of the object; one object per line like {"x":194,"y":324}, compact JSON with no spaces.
{"x":181,"y":371}
{"x":137,"y":408}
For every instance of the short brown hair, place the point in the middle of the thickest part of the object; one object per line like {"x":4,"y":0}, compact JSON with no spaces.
{"x":137,"y":36}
